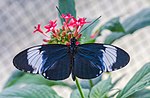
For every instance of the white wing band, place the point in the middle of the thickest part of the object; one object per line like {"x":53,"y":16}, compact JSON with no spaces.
{"x":109,"y":57}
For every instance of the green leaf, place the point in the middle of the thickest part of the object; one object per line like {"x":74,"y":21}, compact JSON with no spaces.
{"x":112,"y":37}
{"x":29,"y":91}
{"x":76,"y":94}
{"x":128,"y":26}
{"x":117,"y":80}
{"x":113,"y":25}
{"x":85,"y":38}
{"x":113,"y":85}
{"x":138,"y":82}
{"x":90,"y":41}
{"x":13,"y":78}
{"x":137,"y":21}
{"x":145,"y":93}
{"x":67,"y":6}
{"x":37,"y":79}
{"x":101,"y":89}
{"x":19,"y":77}
{"x":85,"y":83}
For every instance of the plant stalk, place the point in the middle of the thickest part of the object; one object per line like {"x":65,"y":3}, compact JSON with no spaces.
{"x":79,"y":88}
{"x":91,"y":83}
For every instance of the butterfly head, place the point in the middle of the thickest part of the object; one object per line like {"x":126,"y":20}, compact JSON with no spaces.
{"x":74,"y":41}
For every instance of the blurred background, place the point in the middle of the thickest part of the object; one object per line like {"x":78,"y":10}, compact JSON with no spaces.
{"x":18,"y":18}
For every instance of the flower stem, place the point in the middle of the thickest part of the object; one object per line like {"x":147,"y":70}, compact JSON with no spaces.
{"x":79,"y":88}
{"x":91,"y":83}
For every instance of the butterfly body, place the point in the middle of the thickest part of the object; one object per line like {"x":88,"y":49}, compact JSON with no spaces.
{"x":57,"y":61}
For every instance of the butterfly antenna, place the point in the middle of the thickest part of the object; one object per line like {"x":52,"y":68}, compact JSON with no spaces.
{"x":60,"y":12}
{"x":90,"y":24}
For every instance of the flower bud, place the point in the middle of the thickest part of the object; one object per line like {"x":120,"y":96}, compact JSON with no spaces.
{"x":75,"y":33}
{"x":46,"y":40}
{"x":62,"y":40}
{"x":77,"y":43}
{"x":63,"y":33}
{"x":69,"y":36}
{"x":63,"y":27}
{"x":79,"y":36}
{"x":68,"y":44}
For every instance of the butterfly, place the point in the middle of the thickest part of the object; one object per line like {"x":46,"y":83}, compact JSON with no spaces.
{"x":58,"y":61}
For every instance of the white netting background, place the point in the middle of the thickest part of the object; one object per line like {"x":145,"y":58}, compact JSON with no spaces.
{"x":18,"y":17}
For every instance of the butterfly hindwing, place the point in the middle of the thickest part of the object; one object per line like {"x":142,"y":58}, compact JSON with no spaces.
{"x":86,"y":63}
{"x":59,"y":69}
{"x":84,"y":68}
{"x":39,"y":59}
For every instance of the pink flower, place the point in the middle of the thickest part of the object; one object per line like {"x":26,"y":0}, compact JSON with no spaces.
{"x":66,"y":17}
{"x":70,"y":28}
{"x":51,"y":26}
{"x":76,"y":23}
{"x":73,"y":22}
{"x":82,"y":21}
{"x":65,"y":26}
{"x":38,"y":29}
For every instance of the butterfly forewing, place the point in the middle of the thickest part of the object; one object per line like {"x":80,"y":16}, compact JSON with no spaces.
{"x":114,"y":58}
{"x":93,"y":59}
{"x":39,"y":59}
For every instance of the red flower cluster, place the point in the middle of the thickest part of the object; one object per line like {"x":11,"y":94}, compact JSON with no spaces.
{"x":70,"y":28}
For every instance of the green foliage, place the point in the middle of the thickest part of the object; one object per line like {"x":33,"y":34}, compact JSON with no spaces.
{"x":13,"y":78}
{"x":28,"y":85}
{"x":31,"y":79}
{"x":113,"y":25}
{"x":114,"y":36}
{"x":67,"y":6}
{"x":145,"y":93}
{"x":29,"y":91}
{"x":76,"y":94}
{"x":137,"y":21}
{"x":101,"y":89}
{"x":85,"y":38}
{"x":128,"y":26}
{"x":139,"y":81}
{"x":135,"y":87}
{"x":86,"y":83}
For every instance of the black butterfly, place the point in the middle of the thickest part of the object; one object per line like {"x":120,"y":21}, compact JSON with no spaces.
{"x":57,"y":61}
